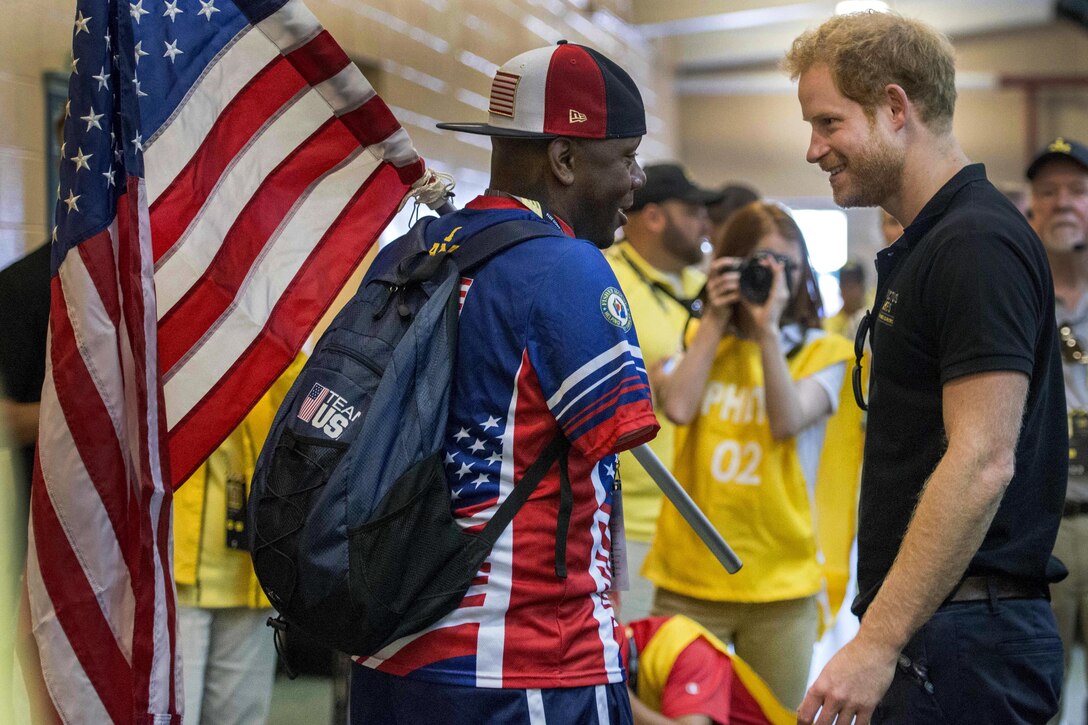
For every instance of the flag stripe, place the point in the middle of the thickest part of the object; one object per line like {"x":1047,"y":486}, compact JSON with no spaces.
{"x":371,"y":122}
{"x":320,"y":59}
{"x":271,"y":89}
{"x":169,"y":151}
{"x":152,"y":688}
{"x":188,"y":320}
{"x":74,"y":695}
{"x":284,"y":256}
{"x":98,"y":523}
{"x":328,"y":267}
{"x":201,"y":241}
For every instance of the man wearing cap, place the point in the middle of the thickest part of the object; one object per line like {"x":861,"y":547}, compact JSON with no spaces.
{"x":546,"y":350}
{"x":663,"y":238}
{"x":1059,"y":214}
{"x":852,"y":286}
{"x":965,"y":449}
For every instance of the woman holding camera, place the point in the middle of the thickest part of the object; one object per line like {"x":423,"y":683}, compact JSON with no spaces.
{"x":754,"y":391}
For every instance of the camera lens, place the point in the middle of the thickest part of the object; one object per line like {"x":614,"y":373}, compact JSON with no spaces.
{"x":755,"y":281}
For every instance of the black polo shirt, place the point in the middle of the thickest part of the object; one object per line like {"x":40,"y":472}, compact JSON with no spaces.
{"x":966,"y":289}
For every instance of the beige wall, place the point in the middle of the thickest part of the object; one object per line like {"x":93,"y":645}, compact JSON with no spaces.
{"x":761,"y":138}
{"x":422,"y":51}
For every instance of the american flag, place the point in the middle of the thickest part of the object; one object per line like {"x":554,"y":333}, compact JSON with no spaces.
{"x":313,"y":399}
{"x":503,"y":93}
{"x":224,"y":167}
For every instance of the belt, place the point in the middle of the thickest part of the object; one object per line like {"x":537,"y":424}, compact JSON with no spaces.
{"x":1074,"y":508}
{"x":978,"y":588}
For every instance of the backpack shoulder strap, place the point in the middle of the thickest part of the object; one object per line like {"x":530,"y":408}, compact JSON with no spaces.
{"x":499,"y":237}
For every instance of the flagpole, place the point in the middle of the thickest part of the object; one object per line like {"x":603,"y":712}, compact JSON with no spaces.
{"x":687,"y":508}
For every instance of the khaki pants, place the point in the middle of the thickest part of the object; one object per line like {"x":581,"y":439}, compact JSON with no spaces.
{"x":775,"y":638}
{"x":636,"y":601}
{"x":1069,"y":597}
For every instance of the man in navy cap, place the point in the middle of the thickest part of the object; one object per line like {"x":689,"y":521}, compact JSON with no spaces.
{"x":1059,"y":214}
{"x":546,"y":351}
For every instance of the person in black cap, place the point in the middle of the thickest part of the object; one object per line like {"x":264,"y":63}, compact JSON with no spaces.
{"x":965,"y":445}
{"x":655,"y":265}
{"x":546,"y":351}
{"x":1059,"y":214}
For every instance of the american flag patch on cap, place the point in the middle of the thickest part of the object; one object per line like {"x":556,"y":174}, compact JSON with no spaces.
{"x":503,"y":90}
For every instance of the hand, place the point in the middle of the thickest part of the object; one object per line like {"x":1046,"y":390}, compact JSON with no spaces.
{"x":723,"y":289}
{"x":850,"y":686}
{"x":765,"y":316}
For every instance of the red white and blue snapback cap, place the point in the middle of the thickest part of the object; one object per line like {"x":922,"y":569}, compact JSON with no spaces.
{"x":562,"y":90}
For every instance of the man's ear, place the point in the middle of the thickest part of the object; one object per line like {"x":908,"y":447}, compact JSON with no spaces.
{"x":561,"y":153}
{"x":899,"y":105}
{"x":654,"y":217}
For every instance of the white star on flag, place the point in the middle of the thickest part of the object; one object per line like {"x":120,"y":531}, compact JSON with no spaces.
{"x":610,"y":470}
{"x":464,"y":469}
{"x":491,"y":422}
{"x":172,"y":50}
{"x":103,"y":79}
{"x":81,"y":24}
{"x":75,"y":62}
{"x":136,"y":82}
{"x":463,"y":433}
{"x":136,"y":11}
{"x":140,"y":52}
{"x":71,"y":201}
{"x":80,"y":160}
{"x":138,"y":142}
{"x":450,"y":460}
{"x":478,"y":445}
{"x":482,"y":478}
{"x":172,"y":10}
{"x":207,"y":8}
{"x":109,"y":177}
{"x":92,"y":119}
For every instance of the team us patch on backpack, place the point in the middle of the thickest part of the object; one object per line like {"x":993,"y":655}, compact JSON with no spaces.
{"x":351,"y":529}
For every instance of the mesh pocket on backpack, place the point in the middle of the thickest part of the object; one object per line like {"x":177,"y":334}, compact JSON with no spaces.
{"x":300,"y":467}
{"x":411,"y":564}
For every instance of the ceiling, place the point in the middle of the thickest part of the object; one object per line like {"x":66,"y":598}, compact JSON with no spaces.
{"x":708,"y":38}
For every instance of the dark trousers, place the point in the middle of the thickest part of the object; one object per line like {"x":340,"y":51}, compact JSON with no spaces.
{"x":996,"y":662}
{"x":378,"y":698}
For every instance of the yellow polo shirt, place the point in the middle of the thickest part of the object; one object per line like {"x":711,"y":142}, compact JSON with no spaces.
{"x":659,"y":321}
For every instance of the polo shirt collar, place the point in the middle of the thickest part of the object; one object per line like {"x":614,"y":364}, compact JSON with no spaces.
{"x":936,"y":207}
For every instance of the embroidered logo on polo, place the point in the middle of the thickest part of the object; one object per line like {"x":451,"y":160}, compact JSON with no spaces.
{"x":614,"y":308}
{"x":504,"y":90}
{"x":887,"y":309}
{"x":577,"y":116}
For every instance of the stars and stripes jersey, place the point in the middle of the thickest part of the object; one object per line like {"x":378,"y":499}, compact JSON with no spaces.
{"x":545,"y":345}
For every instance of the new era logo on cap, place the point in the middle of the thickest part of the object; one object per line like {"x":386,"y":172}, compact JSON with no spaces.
{"x":562,"y":90}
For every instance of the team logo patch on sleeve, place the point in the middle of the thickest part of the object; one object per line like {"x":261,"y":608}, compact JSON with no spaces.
{"x":614,"y":308}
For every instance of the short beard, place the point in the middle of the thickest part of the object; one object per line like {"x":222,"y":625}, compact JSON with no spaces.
{"x":678,"y":245}
{"x":876,"y":173}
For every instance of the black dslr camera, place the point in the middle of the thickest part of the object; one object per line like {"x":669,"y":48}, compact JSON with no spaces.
{"x":756,"y":279}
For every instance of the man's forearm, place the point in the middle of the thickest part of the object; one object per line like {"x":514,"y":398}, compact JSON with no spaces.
{"x":20,"y":421}
{"x":949,"y":524}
